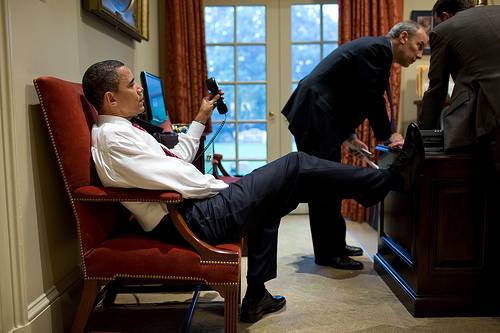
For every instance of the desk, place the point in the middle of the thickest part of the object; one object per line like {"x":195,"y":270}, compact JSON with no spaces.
{"x":437,"y":251}
{"x":204,"y":163}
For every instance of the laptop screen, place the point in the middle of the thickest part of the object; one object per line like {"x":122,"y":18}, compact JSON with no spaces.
{"x":153,"y":98}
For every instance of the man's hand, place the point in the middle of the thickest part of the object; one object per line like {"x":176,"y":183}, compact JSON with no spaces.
{"x":206,"y":108}
{"x":353,"y":142}
{"x":359,"y":149}
{"x":396,"y":141}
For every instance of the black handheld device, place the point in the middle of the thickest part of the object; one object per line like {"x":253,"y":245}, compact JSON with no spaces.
{"x":213,"y":88}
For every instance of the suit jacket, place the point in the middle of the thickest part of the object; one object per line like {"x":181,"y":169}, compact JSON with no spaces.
{"x":342,"y":91}
{"x":467,"y":46}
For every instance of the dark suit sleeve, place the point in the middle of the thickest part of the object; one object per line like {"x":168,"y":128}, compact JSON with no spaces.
{"x":439,"y":76}
{"x":373,"y":70}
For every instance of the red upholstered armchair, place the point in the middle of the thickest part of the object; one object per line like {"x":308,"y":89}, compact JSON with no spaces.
{"x":111,"y":256}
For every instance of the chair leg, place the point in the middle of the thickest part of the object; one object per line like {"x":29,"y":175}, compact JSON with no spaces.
{"x":190,"y":311}
{"x":231,"y":309}
{"x":110,"y":293}
{"x":230,"y":294}
{"x":89,"y":294}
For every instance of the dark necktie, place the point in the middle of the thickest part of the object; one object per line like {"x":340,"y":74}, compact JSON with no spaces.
{"x":167,"y":152}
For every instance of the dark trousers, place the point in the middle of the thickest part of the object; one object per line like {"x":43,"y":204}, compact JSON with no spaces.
{"x":254,"y":205}
{"x":328,"y":229}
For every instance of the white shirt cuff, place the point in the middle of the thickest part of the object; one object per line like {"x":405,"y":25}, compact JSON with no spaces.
{"x":196,"y":129}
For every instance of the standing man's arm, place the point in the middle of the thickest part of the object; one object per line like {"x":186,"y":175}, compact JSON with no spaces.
{"x":374,"y":74}
{"x":439,"y":76}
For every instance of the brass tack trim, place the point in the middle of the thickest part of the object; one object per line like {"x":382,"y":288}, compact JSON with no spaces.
{"x":163,"y":277}
{"x":93,"y":199}
{"x":214,"y":262}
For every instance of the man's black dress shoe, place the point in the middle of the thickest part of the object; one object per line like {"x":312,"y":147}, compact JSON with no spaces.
{"x":353,"y":251}
{"x":252,"y":310}
{"x":341,"y":262}
{"x":408,"y":164}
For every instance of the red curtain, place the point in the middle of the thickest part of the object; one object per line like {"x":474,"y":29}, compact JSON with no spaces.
{"x":184,"y":61}
{"x":358,"y":18}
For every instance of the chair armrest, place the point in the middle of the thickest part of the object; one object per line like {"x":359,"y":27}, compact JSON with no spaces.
{"x":101,"y":193}
{"x":217,"y":166}
{"x":208,"y":253}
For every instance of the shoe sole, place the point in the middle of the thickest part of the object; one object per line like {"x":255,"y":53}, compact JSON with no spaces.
{"x":258,"y":316}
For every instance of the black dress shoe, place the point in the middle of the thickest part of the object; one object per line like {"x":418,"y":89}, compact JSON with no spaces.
{"x":408,"y":164}
{"x":252,"y":310}
{"x":353,"y":251}
{"x":341,"y":262}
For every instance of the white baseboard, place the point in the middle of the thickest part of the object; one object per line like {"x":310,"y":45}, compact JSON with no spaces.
{"x":44,"y":300}
{"x":53,"y":311}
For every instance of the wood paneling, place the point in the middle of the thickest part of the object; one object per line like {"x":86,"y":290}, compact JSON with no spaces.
{"x":434,"y":249}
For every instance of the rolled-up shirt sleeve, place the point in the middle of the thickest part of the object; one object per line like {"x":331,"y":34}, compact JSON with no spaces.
{"x":131,"y":159}
{"x":149,"y":170}
{"x":189,"y":142}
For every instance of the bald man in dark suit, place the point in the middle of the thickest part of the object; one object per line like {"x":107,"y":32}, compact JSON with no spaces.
{"x":327,"y":106}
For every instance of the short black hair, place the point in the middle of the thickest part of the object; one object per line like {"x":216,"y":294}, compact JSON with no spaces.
{"x":100,"y":78}
{"x":452,"y":6}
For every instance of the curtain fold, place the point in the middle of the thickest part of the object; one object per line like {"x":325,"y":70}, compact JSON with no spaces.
{"x":358,"y":18}
{"x":184,"y":61}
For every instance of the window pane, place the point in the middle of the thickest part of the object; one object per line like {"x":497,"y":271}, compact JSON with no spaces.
{"x":252,"y":102}
{"x":305,"y":23}
{"x":220,"y":62}
{"x":229,"y":166}
{"x":251,"y":63}
{"x":304,"y":58}
{"x":219,"y":24}
{"x":252,"y":141}
{"x":209,"y":152}
{"x":245,"y":167}
{"x":330,"y":22}
{"x":228,"y":90}
{"x":251,"y":24}
{"x":328,"y":48}
{"x":225,"y":141}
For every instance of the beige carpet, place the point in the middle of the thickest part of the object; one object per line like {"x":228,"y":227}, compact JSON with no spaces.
{"x":319,"y":299}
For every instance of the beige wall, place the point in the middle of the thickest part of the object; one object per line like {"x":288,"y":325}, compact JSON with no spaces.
{"x":56,"y":38}
{"x":409,"y":75}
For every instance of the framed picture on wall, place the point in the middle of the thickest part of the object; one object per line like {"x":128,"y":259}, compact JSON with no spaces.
{"x":129,"y":16}
{"x":425,"y":19}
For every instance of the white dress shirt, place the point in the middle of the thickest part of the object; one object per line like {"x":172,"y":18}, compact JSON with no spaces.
{"x":126,"y":156}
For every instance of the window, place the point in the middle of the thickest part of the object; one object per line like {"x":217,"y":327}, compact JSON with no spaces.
{"x":314,"y":35}
{"x":246,"y":51}
{"x":236,"y":57}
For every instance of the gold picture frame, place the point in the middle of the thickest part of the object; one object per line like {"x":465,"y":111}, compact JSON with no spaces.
{"x":426,"y":20}
{"x":129,"y":16}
